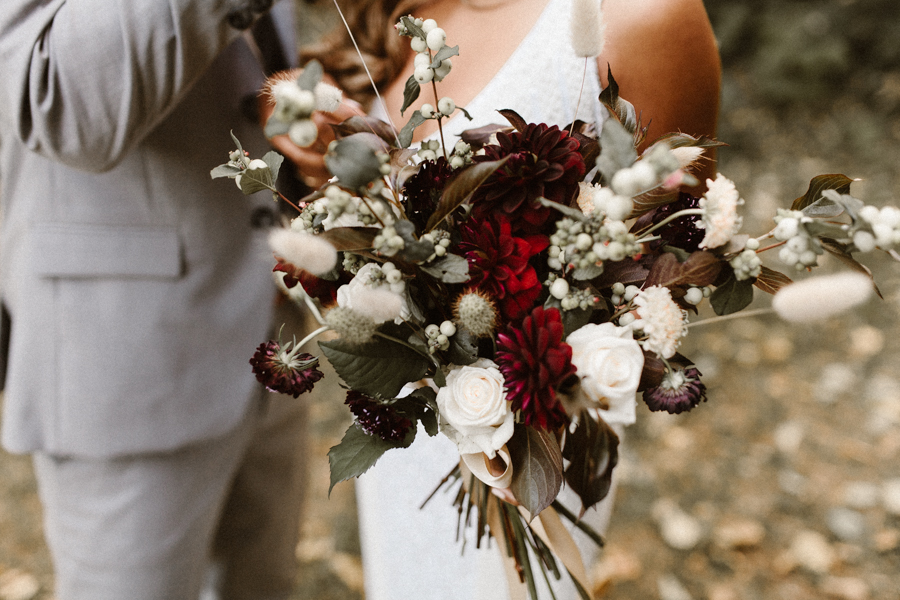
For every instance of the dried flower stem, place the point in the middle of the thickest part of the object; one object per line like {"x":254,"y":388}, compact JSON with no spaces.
{"x":368,"y":74}
{"x":739,"y":315}
{"x":312,"y":335}
{"x":439,"y":119}
{"x":681,"y":213}
{"x":580,"y":94}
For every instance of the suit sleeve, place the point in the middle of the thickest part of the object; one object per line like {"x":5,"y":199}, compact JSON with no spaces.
{"x":84,"y":81}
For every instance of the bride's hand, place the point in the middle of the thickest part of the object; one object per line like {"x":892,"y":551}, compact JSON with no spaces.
{"x":310,"y":161}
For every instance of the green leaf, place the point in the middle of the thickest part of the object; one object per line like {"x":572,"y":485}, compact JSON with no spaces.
{"x":439,"y":378}
{"x":820,"y":183}
{"x":350,"y":239}
{"x":770,"y":281}
{"x":257,"y":180}
{"x":353,"y":161}
{"x":732,"y":296}
{"x":426,"y":410}
{"x":274,"y":160}
{"x":700,"y":269}
{"x":379,"y":369}
{"x":452,"y":268}
{"x":225,"y":170}
{"x":616,"y":149}
{"x":412,"y":28}
{"x":461,"y":188}
{"x":276,"y":127}
{"x":537,"y":468}
{"x":406,"y":134}
{"x":311,"y":75}
{"x":592,"y":451}
{"x":357,"y":452}
{"x":411,"y":92}
{"x":463,"y":348}
{"x":587,"y":273}
{"x":443,"y":54}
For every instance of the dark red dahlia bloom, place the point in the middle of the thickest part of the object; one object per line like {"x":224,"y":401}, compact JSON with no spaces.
{"x":544,"y":161}
{"x":423,"y":190}
{"x":377,"y":419}
{"x":284,"y":370}
{"x":498,"y":263}
{"x":535,"y":361}
{"x":680,"y":391}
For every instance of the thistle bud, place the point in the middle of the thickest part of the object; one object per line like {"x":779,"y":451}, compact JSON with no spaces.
{"x":476,"y":313}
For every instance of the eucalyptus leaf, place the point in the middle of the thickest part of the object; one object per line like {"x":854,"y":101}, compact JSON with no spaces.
{"x":616,"y":149}
{"x":592,"y":451}
{"x":311,"y":75}
{"x":225,"y":170}
{"x":461,"y":188}
{"x":274,"y":160}
{"x":443,"y":54}
{"x":357,"y":452}
{"x":379,"y":369}
{"x":257,"y":180}
{"x":732,"y":296}
{"x":452,"y":268}
{"x":537,"y":468}
{"x":353,"y":161}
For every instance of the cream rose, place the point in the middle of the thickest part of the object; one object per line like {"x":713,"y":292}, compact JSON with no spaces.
{"x":609,"y":362}
{"x":473,"y":407}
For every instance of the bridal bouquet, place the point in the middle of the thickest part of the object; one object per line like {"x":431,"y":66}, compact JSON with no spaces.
{"x":515,"y":290}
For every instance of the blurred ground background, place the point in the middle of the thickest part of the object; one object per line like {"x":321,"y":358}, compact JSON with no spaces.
{"x":786,"y":484}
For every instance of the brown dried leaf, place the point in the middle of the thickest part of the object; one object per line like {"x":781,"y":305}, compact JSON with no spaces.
{"x":461,"y":188}
{"x":700,"y":269}
{"x":820,"y":183}
{"x":770,"y":281}
{"x":350,"y":239}
{"x":537,"y":468}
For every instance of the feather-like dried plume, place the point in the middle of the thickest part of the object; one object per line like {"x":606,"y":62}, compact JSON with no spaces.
{"x":821,"y":297}
{"x":588,"y":28}
{"x":304,"y":251}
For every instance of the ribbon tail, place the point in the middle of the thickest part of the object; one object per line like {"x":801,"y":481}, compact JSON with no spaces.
{"x":517,"y":589}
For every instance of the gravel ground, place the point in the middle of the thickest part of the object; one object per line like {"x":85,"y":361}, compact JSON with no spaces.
{"x":785,"y":484}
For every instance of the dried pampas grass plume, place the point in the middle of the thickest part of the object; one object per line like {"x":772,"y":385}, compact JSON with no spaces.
{"x":588,"y":28}
{"x":821,"y":297}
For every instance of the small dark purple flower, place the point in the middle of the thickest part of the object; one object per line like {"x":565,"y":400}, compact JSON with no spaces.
{"x":682,"y":232}
{"x":285,"y":370}
{"x":679,"y":391}
{"x":377,"y":419}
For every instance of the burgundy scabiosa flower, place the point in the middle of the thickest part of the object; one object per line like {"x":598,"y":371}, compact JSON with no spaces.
{"x":682,"y":232}
{"x":498,"y":263}
{"x":534,"y":361}
{"x":679,"y":391}
{"x":423,"y":190}
{"x":285,"y":370}
{"x":543,"y":161}
{"x":377,"y":419}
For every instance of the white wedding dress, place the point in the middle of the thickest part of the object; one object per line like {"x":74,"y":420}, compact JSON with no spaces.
{"x":413,"y":554}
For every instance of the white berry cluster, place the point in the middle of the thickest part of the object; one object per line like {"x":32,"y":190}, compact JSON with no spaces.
{"x":462,"y":155}
{"x":570,"y":299}
{"x":438,"y":336}
{"x":622,"y":293}
{"x":388,"y":242}
{"x":615,"y":206}
{"x":746,"y":265}
{"x":441,"y":240}
{"x":295,"y":105}
{"x":388,"y":275}
{"x":427,"y":38}
{"x":647,"y":173}
{"x":445,"y":108}
{"x":352,"y":263}
{"x":429,"y":150}
{"x":801,"y":250}
{"x":885,"y":229}
{"x":695,"y":295}
{"x":582,"y":244}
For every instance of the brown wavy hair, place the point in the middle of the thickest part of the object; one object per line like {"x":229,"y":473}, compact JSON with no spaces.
{"x":385,"y":52}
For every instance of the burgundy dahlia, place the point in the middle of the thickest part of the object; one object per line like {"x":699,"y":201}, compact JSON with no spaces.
{"x":423,"y":190}
{"x":543,"y":161}
{"x":377,"y":419}
{"x":285,"y":370}
{"x":679,"y":391}
{"x":498,"y":263}
{"x":534,"y":361}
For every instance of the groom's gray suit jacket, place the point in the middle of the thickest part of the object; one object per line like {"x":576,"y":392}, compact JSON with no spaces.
{"x":137,"y":287}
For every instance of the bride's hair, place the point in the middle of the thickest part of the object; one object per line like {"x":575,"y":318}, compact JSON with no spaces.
{"x":372,"y":23}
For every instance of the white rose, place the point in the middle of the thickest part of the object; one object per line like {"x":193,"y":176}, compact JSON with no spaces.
{"x":374,"y":300}
{"x":473,"y":407}
{"x":609,"y":362}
